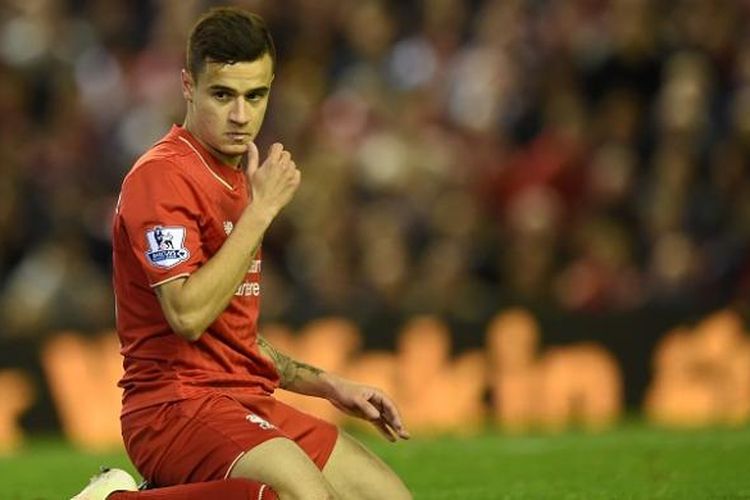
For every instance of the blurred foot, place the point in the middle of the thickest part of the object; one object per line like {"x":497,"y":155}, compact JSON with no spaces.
{"x":105,"y":483}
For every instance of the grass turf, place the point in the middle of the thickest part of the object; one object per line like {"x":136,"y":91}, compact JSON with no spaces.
{"x":629,"y":462}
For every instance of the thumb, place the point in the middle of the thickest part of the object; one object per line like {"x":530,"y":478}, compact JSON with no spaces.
{"x":369,"y":409}
{"x":253,"y":158}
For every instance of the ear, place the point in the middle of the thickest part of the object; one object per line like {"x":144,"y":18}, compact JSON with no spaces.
{"x":188,"y":85}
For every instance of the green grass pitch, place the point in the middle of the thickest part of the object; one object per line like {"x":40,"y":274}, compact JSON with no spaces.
{"x":629,"y":462}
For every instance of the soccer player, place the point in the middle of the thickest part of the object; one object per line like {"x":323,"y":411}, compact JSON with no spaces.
{"x":198,"y":402}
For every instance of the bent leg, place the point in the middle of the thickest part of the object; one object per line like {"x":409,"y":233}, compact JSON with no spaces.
{"x":225,"y":489}
{"x":357,"y":473}
{"x":281,"y":464}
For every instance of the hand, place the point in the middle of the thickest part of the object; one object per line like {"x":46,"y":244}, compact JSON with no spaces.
{"x":274,"y":183}
{"x":369,"y":403}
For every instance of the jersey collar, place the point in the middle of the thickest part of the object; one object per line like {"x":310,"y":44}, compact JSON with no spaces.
{"x":226,"y":175}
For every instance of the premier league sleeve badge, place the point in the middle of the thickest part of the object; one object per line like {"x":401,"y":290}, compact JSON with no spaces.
{"x":166,"y":246}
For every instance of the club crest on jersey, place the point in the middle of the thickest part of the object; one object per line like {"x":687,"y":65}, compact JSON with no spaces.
{"x":260,"y":421}
{"x":166,"y":246}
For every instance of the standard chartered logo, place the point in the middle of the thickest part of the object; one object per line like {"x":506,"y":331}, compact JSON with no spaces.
{"x":250,"y":288}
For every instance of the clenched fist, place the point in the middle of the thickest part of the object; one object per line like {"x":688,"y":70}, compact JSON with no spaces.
{"x":273,"y":183}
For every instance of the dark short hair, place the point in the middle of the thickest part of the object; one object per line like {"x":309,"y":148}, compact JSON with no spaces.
{"x":228,"y":35}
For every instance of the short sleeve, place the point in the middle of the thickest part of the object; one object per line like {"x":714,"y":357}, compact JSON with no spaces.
{"x":160,"y":210}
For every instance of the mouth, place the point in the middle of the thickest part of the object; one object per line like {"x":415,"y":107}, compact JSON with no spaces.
{"x":239,"y":136}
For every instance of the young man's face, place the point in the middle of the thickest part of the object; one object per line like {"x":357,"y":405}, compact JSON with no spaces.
{"x":227,"y":103}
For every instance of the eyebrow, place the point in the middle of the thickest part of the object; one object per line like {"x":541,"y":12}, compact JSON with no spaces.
{"x":257,"y":90}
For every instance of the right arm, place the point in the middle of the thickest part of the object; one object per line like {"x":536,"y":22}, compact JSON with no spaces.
{"x":191,"y":304}
{"x":358,"y":400}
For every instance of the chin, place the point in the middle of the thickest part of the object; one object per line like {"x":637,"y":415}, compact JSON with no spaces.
{"x":234,"y":149}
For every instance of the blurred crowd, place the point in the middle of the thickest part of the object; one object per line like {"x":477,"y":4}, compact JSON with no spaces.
{"x":590,"y":155}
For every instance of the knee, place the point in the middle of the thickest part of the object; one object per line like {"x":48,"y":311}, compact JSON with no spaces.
{"x":403,"y":495}
{"x":305,"y":491}
{"x":388,"y":489}
{"x":306,"y":496}
{"x":395,"y":490}
{"x":294,"y":485}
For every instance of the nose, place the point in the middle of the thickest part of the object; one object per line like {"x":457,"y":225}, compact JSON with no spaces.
{"x":239,"y":114}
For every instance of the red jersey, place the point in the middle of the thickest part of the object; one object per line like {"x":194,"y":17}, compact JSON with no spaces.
{"x":177,"y":206}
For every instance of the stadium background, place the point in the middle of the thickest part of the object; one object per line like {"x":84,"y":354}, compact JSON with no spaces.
{"x":585,"y":161}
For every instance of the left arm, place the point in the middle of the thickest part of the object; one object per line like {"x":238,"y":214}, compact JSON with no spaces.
{"x":358,"y":400}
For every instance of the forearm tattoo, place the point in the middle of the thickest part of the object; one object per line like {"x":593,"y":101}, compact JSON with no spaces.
{"x":290,"y":370}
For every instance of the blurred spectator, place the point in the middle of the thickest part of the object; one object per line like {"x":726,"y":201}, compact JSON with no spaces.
{"x":589,"y":155}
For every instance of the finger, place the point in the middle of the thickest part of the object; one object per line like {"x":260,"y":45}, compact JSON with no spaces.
{"x":274,"y":152}
{"x":383,"y":428}
{"x":285,"y":158}
{"x":391,"y":415}
{"x":252,"y":159}
{"x":370,"y":412}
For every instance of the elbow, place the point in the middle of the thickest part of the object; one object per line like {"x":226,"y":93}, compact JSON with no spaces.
{"x":184,"y":318}
{"x":190,"y":334}
{"x":185,"y":327}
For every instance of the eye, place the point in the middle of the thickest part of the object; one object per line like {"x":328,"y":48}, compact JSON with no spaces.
{"x":221,"y":95}
{"x":254,"y":96}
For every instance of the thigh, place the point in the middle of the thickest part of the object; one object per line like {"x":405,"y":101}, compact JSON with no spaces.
{"x":194,"y":440}
{"x":357,"y":473}
{"x":285,"y":467}
{"x":314,"y":436}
